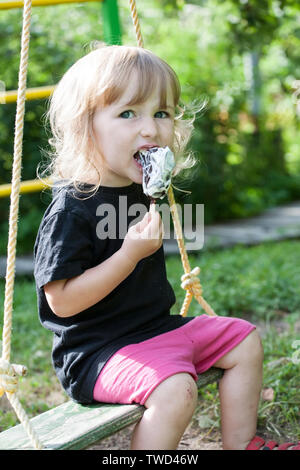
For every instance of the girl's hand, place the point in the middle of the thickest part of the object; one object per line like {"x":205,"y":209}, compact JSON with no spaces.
{"x":144,"y":238}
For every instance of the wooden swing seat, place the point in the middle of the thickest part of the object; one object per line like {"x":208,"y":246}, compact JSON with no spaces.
{"x":71,"y":426}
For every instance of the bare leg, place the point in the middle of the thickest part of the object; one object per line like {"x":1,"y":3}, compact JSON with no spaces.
{"x":169,"y":410}
{"x":240,"y":390}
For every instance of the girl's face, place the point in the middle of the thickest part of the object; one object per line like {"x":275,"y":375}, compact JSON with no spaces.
{"x":121,"y":130}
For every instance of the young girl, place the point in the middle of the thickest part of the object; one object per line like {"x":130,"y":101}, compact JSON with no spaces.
{"x":105,"y":295}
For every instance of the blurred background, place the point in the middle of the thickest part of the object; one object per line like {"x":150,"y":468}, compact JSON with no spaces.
{"x":241,"y":56}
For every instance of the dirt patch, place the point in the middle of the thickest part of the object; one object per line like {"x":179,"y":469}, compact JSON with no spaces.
{"x":194,"y":438}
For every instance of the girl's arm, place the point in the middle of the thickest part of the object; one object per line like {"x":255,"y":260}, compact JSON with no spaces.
{"x":67,"y":297}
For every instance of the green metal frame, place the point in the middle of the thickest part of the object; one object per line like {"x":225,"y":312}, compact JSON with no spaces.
{"x":111,"y":22}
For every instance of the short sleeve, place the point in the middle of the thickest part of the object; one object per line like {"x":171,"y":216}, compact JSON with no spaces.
{"x":63,"y":248}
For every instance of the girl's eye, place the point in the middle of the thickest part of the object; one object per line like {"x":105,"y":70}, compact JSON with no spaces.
{"x":161,"y":115}
{"x":127,"y":114}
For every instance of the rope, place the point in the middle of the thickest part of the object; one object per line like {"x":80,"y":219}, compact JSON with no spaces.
{"x":8,"y":372}
{"x":136,"y":23}
{"x":191,"y":282}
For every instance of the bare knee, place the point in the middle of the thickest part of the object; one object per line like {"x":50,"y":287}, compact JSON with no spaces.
{"x":176,"y":396}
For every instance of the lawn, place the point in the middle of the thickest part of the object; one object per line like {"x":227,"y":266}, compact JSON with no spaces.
{"x":259,"y":283}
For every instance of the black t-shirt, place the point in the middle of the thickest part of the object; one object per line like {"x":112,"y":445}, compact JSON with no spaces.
{"x":70,"y":240}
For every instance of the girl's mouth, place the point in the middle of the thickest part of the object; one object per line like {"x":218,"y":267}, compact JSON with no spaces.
{"x":138,"y":161}
{"x":143,"y":160}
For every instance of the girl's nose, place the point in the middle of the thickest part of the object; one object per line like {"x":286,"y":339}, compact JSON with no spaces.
{"x":148,"y":127}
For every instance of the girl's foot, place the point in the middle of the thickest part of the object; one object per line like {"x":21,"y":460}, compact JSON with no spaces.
{"x":258,"y":443}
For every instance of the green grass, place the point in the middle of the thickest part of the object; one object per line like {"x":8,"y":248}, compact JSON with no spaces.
{"x":259,"y":283}
{"x":282,"y":374}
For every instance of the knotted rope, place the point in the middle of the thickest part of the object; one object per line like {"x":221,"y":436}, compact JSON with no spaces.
{"x":8,"y":378}
{"x":191,"y":282}
{"x":9,"y":372}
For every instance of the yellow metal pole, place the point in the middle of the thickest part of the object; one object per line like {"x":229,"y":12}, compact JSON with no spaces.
{"x":8,"y":5}
{"x":31,"y":94}
{"x":29,"y":186}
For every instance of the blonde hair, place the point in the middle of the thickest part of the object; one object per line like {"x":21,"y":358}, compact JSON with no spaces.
{"x":99,"y":79}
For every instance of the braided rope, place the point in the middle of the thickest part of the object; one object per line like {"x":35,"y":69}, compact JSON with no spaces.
{"x":193,"y":286}
{"x":136,"y":23}
{"x":9,"y":377}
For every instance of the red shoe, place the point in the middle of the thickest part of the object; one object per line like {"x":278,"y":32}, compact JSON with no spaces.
{"x":258,"y":442}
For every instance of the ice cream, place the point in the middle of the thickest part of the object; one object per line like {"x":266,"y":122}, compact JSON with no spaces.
{"x":158,"y":164}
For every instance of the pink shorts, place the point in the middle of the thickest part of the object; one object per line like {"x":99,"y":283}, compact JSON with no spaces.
{"x":134,"y":371}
